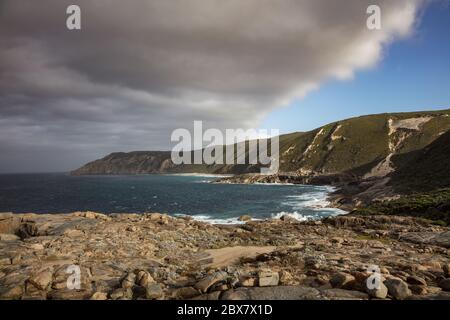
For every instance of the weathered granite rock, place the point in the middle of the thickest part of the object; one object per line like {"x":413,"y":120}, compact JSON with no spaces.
{"x":143,"y":278}
{"x":69,"y":294}
{"x":121,"y":294}
{"x":379,"y":292}
{"x":185,"y":293}
{"x":210,"y":280}
{"x":416,"y":280}
{"x":418,"y":289}
{"x":9,"y":223}
{"x":341,"y":279}
{"x":433,"y":238}
{"x":42,"y":279}
{"x":245,"y":218}
{"x":99,"y":296}
{"x":398,"y":289}
{"x":8,"y":237}
{"x":154,"y":291}
{"x":341,"y":294}
{"x":11,"y":293}
{"x":189,"y":259}
{"x":247,"y":281}
{"x":27,"y":230}
{"x":128,"y":281}
{"x":267,"y":278}
{"x":272,"y":293}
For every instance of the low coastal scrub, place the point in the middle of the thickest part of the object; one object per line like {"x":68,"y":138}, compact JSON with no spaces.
{"x":434,"y":206}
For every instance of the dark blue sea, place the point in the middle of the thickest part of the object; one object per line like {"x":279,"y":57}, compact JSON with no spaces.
{"x":173,"y":194}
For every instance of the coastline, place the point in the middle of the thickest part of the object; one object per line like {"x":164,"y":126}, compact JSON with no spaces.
{"x":156,"y":256}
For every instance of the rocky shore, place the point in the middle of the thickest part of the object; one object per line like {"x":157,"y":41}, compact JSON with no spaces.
{"x":156,"y":256}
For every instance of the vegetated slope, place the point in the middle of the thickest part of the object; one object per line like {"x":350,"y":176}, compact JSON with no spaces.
{"x":150,"y":162}
{"x":423,"y":181}
{"x":367,"y":146}
{"x":424,"y":170}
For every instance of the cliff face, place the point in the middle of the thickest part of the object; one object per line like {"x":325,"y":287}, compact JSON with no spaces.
{"x":367,"y":147}
{"x":148,"y":162}
{"x":128,"y":163}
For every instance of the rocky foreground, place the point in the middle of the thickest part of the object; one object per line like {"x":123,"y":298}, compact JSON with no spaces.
{"x":155,"y":256}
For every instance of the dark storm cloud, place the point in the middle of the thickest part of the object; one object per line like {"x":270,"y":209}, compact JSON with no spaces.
{"x":139,"y":69}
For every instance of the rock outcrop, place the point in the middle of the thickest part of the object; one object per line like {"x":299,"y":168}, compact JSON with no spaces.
{"x":87,"y":255}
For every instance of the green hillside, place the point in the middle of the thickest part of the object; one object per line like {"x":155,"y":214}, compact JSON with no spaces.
{"x":365,"y":146}
{"x":424,"y":170}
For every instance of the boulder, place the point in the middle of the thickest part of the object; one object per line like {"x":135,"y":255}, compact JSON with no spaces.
{"x":418,"y":289}
{"x":13,"y":292}
{"x":99,"y":296}
{"x":153,"y":291}
{"x":41,"y":280}
{"x":286,"y":278}
{"x":248,"y":281}
{"x":379,"y":292}
{"x":9,"y":223}
{"x":185,"y":293}
{"x":210,"y":280}
{"x":27,"y":230}
{"x":268,"y":278}
{"x":398,"y":288}
{"x":143,"y":278}
{"x":8,"y":237}
{"x":340,"y":279}
{"x":245,"y":218}
{"x":128,"y":281}
{"x":416,"y":280}
{"x":122,"y":294}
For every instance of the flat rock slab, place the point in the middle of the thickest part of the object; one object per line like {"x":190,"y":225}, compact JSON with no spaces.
{"x":292,"y":293}
{"x":230,"y":255}
{"x":273,"y":293}
{"x":431,"y":238}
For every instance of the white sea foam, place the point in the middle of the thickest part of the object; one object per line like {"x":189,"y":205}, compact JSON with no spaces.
{"x":212,"y":220}
{"x":296,"y":215}
{"x":307,"y":206}
{"x":274,"y":184}
{"x":316,"y":200}
{"x":202,"y":175}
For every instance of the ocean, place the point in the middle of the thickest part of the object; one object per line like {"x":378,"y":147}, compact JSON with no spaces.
{"x":172,"y":194}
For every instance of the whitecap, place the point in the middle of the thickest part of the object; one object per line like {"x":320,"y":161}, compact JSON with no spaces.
{"x":213,"y":220}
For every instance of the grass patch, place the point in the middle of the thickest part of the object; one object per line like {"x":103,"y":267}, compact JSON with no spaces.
{"x":363,"y":237}
{"x":431,"y":206}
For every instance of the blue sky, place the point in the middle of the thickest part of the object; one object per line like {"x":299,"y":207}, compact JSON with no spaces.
{"x":413,"y":75}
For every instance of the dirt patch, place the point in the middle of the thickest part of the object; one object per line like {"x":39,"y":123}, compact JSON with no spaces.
{"x":230,"y":255}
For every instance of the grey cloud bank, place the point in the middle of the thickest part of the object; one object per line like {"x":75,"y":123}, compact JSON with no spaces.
{"x":139,"y":69}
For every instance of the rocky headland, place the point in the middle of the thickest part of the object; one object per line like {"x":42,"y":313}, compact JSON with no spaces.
{"x":156,"y":256}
